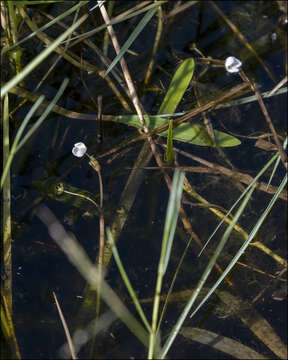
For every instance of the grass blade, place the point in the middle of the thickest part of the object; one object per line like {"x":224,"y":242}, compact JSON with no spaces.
{"x":44,"y":115}
{"x":126,"y":279}
{"x":131,"y":38}
{"x":40,"y":58}
{"x":6,"y":255}
{"x":9,"y":159}
{"x":44,"y":27}
{"x":168,"y":236}
{"x":204,"y":277}
{"x":78,"y":257}
{"x":245,"y":244}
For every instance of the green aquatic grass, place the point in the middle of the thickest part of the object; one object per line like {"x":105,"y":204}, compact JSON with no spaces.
{"x":204,"y":277}
{"x":126,"y":280}
{"x":171,"y":218}
{"x":275,"y":158}
{"x":17,"y":144}
{"x":44,"y":27}
{"x":190,"y":133}
{"x":119,"y":20}
{"x":40,"y":58}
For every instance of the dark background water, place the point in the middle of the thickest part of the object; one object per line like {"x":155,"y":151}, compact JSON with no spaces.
{"x":39,"y":266}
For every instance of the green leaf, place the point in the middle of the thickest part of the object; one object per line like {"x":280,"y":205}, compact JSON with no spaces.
{"x":177,"y":87}
{"x":176,"y":90}
{"x":193,"y":134}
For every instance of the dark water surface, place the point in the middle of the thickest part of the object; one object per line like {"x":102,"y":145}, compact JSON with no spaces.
{"x":39,"y":266}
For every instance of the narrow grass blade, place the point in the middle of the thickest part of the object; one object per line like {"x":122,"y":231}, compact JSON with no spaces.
{"x":8,"y":160}
{"x":245,"y":244}
{"x":261,"y":172}
{"x":171,"y":217}
{"x":16,"y":144}
{"x":6,"y":255}
{"x":204,"y":277}
{"x":78,"y":257}
{"x":40,"y":58}
{"x":131,"y":38}
{"x":119,"y":20}
{"x":277,"y":163}
{"x":167,"y":241}
{"x":252,"y":98}
{"x":44,"y":115}
{"x":126,"y":279}
{"x":65,"y":326}
{"x":44,"y":27}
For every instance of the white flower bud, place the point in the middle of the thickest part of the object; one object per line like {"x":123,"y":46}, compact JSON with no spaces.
{"x":79,"y":149}
{"x":232,"y":64}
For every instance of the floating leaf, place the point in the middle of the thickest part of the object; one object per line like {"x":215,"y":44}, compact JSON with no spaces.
{"x":176,"y":90}
{"x":189,"y":133}
{"x":177,"y":87}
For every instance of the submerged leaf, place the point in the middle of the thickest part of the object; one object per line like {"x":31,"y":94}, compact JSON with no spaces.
{"x":221,"y":343}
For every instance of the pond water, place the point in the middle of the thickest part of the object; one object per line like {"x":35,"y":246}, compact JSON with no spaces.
{"x":40,"y":267}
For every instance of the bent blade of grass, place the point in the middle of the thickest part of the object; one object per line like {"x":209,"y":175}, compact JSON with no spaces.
{"x":17,"y":138}
{"x":40,"y":58}
{"x":146,"y":18}
{"x":204,"y":276}
{"x":126,"y":279}
{"x":168,"y":236}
